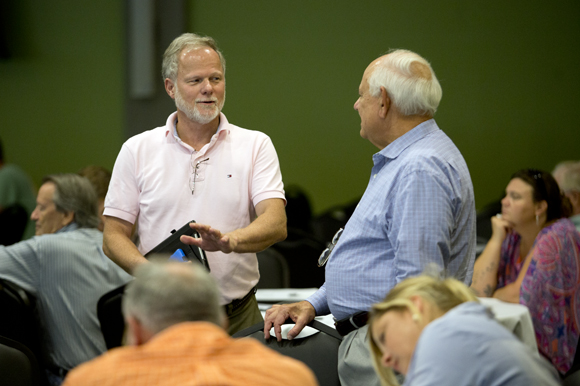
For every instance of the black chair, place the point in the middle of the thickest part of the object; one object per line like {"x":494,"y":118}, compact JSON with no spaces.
{"x":572,"y":377}
{"x":13,"y":220}
{"x":301,"y":252}
{"x":319,"y":351}
{"x":274,"y":271}
{"x":110,"y":317}
{"x":18,"y":365}
{"x":326,"y":224}
{"x":20,"y":322}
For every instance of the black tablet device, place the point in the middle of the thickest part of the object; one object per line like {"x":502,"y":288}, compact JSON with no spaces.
{"x":174,"y":246}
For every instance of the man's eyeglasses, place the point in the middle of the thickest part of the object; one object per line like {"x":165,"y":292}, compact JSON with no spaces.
{"x":193,"y":176}
{"x":326,"y":253}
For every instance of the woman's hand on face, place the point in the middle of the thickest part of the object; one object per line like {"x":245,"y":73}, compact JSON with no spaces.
{"x":499,"y":228}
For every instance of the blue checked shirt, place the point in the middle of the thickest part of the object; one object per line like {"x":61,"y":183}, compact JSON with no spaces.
{"x":68,"y":273}
{"x":418,"y":209}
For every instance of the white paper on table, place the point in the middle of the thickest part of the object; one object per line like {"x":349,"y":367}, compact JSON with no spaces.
{"x":516,"y":318}
{"x":283,"y":294}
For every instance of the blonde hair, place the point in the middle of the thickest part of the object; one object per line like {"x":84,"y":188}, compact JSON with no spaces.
{"x":442,"y":294}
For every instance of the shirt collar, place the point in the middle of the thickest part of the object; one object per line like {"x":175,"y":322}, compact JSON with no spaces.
{"x":171,"y":127}
{"x":68,"y":228}
{"x":415,"y":134}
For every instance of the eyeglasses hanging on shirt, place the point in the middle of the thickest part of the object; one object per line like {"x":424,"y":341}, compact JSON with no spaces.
{"x":326,"y":253}
{"x":194,"y":173}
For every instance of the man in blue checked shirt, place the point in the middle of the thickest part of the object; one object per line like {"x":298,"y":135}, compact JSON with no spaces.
{"x":418,"y":209}
{"x":65,"y":268}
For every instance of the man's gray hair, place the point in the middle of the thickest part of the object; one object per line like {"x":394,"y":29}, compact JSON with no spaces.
{"x":567,"y":174}
{"x":187,"y":40}
{"x":409,"y":81}
{"x":167,"y":293}
{"x":75,"y":194}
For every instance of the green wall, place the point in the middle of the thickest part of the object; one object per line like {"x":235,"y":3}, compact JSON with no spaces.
{"x":509,"y":72}
{"x":61,"y":95}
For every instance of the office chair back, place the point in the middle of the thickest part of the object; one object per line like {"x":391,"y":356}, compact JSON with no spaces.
{"x":18,"y":365}
{"x":301,"y":252}
{"x":572,"y":377}
{"x":274,"y":271}
{"x":319,"y":351}
{"x":22,"y":324}
{"x":13,"y":220}
{"x":110,"y":316}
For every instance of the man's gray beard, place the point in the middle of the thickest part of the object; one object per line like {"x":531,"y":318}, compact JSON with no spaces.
{"x":193,"y":113}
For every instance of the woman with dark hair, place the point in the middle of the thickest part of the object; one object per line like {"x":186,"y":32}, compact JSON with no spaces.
{"x":533,"y":258}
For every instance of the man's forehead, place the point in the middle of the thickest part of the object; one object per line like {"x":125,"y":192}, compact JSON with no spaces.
{"x":46,"y":191}
{"x":368,"y":72}
{"x":198,"y":57}
{"x":196,"y":52}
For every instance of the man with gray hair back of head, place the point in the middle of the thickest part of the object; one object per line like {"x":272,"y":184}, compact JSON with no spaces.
{"x":175,"y":336}
{"x":567,"y":175}
{"x":65,"y":268}
{"x":199,"y":167}
{"x":168,"y":294}
{"x":418,"y":209}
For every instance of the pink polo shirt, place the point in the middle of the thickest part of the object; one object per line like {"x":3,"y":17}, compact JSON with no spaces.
{"x":152,"y":181}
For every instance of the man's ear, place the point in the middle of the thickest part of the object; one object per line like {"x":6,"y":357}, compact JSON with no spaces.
{"x":136,"y":333}
{"x":68,"y":218}
{"x":385,"y":103}
{"x":170,"y":88}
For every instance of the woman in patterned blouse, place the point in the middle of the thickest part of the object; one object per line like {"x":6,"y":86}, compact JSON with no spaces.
{"x":533,"y":258}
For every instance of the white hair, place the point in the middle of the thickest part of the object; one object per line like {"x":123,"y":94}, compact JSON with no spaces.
{"x":567,"y":174}
{"x":409,"y":81}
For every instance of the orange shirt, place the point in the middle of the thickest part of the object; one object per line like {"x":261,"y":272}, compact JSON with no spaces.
{"x":192,"y":353}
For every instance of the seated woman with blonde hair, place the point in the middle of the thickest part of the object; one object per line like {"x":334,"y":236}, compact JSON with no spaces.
{"x":435,"y":332}
{"x":533,"y":258}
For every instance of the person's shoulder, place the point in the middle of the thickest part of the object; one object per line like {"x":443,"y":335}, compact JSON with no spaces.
{"x":157,"y":133}
{"x":12,"y":172}
{"x":68,"y":238}
{"x":240,"y":132}
{"x":98,"y":370}
{"x":471,"y":320}
{"x":560,"y":228}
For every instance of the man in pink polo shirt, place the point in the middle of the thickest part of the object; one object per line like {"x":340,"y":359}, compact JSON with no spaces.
{"x":199,"y":166}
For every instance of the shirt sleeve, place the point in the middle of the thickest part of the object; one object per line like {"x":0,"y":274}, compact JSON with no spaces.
{"x":422,"y":223}
{"x":122,"y":200}
{"x":20,"y":264}
{"x":319,"y":302}
{"x":266,"y":176}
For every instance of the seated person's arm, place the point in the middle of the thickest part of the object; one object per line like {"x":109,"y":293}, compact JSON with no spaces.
{"x":511,"y":292}
{"x":268,"y":228}
{"x":486,"y":265}
{"x":118,"y":246}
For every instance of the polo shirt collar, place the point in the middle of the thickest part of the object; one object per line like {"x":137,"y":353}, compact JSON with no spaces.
{"x":222,"y":131}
